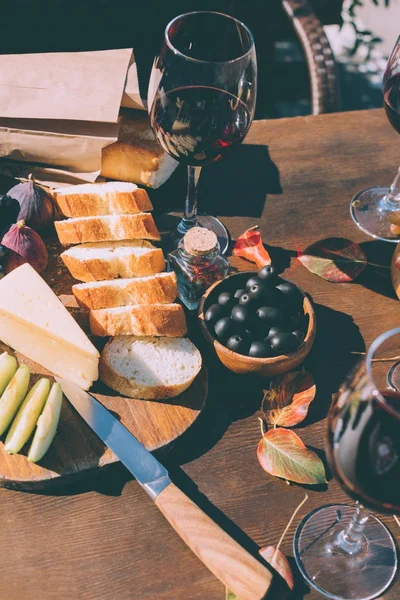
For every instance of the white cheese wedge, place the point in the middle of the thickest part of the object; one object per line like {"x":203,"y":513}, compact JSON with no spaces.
{"x":35,"y":323}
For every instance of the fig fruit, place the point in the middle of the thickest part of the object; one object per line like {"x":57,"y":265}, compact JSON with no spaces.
{"x":36,"y":205}
{"x":26,"y":246}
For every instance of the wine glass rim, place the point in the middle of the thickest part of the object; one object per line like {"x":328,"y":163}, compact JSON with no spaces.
{"x":208,"y":12}
{"x":370,"y":354}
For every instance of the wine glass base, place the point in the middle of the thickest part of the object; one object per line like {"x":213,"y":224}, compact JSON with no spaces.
{"x":334,"y":573}
{"x":170,"y":236}
{"x":371,"y":215}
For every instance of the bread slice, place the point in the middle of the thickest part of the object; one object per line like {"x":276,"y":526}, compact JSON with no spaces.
{"x":111,"y":198}
{"x":109,"y":228}
{"x":155,"y":289}
{"x":149,"y":368}
{"x":109,"y":260}
{"x":151,"y":319}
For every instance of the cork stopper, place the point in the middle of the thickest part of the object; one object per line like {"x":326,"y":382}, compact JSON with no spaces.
{"x":199,"y":241}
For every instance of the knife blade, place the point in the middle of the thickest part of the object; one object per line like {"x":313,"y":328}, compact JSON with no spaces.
{"x":230,"y":562}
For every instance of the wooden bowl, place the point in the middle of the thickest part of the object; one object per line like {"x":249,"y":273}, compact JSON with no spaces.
{"x":239,"y":363}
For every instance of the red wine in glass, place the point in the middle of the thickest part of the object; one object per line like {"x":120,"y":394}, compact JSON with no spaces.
{"x":198,"y":124}
{"x":364,"y":443}
{"x":391,"y":97}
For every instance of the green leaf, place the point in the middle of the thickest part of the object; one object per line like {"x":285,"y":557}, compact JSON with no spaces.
{"x":335,"y":259}
{"x":230,"y":595}
{"x":282,"y":453}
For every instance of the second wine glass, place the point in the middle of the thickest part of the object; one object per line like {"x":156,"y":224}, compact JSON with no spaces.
{"x":201,"y":98}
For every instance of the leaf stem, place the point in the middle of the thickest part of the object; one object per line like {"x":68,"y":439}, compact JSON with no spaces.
{"x":262,"y":426}
{"x":287,"y":527}
{"x":397,"y":520}
{"x":383,"y":359}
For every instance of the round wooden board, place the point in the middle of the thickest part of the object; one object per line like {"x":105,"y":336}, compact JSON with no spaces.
{"x":76,"y":450}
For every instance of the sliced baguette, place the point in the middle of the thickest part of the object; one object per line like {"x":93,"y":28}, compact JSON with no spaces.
{"x":109,"y":260}
{"x":108,"y":228}
{"x":149,"y":368}
{"x":111,"y":198}
{"x":151,"y":319}
{"x":155,"y":289}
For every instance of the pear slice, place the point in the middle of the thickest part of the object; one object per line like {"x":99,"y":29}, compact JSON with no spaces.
{"x":8,"y":368}
{"x":47,"y":424}
{"x":13,"y":396}
{"x":24,"y":423}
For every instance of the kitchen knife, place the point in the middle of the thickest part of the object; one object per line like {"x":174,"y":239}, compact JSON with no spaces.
{"x":229,"y":562}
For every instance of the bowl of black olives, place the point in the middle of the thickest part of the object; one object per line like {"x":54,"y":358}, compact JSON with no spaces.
{"x":258,"y":322}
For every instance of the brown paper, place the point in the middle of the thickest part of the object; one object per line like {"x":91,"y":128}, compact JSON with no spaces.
{"x":83,"y":86}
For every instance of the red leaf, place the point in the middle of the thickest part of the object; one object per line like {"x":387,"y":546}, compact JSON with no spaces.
{"x":278,"y":560}
{"x":282,"y":453}
{"x":288,"y":398}
{"x":335,"y":259}
{"x":249,"y":245}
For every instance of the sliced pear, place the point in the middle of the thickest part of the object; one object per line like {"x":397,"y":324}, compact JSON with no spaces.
{"x":13,"y":396}
{"x":8,"y":368}
{"x":24,"y":423}
{"x":47,"y":424}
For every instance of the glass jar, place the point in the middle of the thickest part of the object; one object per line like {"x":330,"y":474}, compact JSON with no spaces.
{"x":197,"y":263}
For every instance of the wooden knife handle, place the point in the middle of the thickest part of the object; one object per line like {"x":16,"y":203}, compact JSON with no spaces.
{"x":229,"y":562}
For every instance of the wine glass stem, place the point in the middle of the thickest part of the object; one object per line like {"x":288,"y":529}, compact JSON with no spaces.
{"x":190,"y":217}
{"x":351,"y":540}
{"x":392,"y":198}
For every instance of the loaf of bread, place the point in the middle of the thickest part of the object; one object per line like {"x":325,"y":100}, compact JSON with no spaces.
{"x":155,"y":289}
{"x":109,"y":260}
{"x":111,"y":198}
{"x":108,"y":228}
{"x":137,"y":156}
{"x":151,"y":319}
{"x":149,"y":368}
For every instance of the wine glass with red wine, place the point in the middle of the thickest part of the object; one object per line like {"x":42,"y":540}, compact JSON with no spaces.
{"x":201,"y":99}
{"x":345,"y":552}
{"x":373,"y":208}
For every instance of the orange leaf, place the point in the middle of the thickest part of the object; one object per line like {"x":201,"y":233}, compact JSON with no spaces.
{"x":249,"y":245}
{"x":288,"y":398}
{"x":282,"y":453}
{"x":278,"y":560}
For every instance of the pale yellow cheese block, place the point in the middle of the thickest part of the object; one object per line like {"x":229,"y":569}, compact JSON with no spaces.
{"x":35,"y":323}
{"x":396,"y":272}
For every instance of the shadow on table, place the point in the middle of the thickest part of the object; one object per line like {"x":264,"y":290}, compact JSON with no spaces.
{"x":377,"y":275}
{"x":331,"y":358}
{"x":235,"y":186}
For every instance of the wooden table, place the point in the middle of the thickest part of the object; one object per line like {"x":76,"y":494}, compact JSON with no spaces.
{"x":106,"y":540}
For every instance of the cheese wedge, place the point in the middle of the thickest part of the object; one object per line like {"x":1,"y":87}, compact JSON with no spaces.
{"x":35,"y":323}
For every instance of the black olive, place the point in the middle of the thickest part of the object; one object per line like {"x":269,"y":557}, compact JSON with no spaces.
{"x":3,"y":251}
{"x":238,"y":293}
{"x":215,"y":312}
{"x":284,"y":343}
{"x":246,"y":299}
{"x":270,"y":315}
{"x":260,"y":350}
{"x":296,"y":320}
{"x":268,"y":274}
{"x":238,"y":343}
{"x":273,"y":332}
{"x":240,"y":314}
{"x":251,"y":281}
{"x":292,"y":297}
{"x":224,"y":328}
{"x":226,"y":299}
{"x":257,"y":292}
{"x":299,"y":335}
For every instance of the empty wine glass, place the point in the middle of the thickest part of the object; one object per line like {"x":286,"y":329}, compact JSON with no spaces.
{"x":372,"y":208}
{"x":342,"y":551}
{"x":201,"y":99}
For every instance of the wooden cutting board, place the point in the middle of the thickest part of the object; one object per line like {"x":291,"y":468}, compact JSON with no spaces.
{"x":76,"y":450}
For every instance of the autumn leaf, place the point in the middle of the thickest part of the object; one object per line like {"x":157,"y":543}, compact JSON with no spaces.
{"x":249,"y":245}
{"x":230,"y":595}
{"x":334,"y":259}
{"x":288,"y":398}
{"x":282,"y":453}
{"x":279,"y":562}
